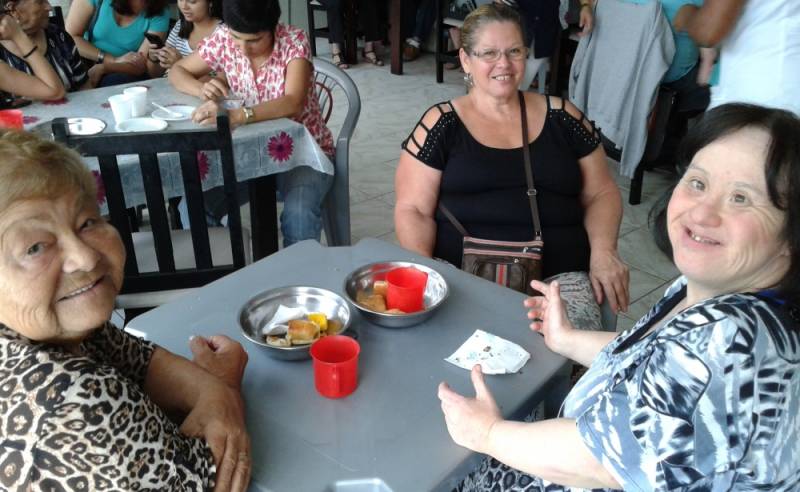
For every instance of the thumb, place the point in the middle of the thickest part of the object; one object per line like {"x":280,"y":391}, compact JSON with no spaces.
{"x":481,"y":390}
{"x":199,"y":346}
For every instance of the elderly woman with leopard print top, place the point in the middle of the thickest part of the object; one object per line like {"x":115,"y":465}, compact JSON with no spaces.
{"x":83,"y":404}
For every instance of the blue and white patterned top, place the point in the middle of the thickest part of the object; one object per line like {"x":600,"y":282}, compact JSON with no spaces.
{"x":709,"y":401}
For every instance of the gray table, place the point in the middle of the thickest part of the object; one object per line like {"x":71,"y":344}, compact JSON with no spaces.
{"x":392,"y":427}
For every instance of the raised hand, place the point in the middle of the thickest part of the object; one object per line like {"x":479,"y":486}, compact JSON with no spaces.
{"x":548,"y":316}
{"x":470,"y":420}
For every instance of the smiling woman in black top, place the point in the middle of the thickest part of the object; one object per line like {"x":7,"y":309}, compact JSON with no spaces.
{"x":466,"y":154}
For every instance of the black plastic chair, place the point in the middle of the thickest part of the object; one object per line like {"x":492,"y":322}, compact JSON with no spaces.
{"x":441,"y":25}
{"x":57,"y":16}
{"x":162,"y":264}
{"x":350,"y":47}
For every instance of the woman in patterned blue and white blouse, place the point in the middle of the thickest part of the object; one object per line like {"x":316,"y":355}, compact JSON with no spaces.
{"x":703,"y":393}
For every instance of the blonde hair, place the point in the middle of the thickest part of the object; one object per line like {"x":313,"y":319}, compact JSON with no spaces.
{"x":484,"y":15}
{"x":32,"y":167}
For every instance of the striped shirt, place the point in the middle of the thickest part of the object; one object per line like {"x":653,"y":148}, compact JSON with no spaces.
{"x":61,"y":53}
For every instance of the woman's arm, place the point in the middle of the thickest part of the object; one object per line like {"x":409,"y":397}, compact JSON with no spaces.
{"x":185,"y":77}
{"x":215,"y":412}
{"x":711,"y":23}
{"x":548,"y":317}
{"x":602,"y":205}
{"x":76,"y":24}
{"x":417,"y":193}
{"x":290,"y":105}
{"x":45,"y":84}
{"x":550,"y":449}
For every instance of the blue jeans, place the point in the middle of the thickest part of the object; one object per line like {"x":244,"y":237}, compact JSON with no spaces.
{"x":303,"y":189}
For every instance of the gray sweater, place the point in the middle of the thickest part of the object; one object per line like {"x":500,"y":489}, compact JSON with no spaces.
{"x":616,"y":71}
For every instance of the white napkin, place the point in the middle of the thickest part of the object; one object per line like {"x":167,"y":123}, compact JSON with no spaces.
{"x":495,"y":355}
{"x":278,"y":324}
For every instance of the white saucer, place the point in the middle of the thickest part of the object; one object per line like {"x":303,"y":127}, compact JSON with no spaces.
{"x":141,"y":125}
{"x":85,"y":126}
{"x":185,"y":112}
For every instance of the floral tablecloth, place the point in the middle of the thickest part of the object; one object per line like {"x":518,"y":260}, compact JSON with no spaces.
{"x":259,"y":149}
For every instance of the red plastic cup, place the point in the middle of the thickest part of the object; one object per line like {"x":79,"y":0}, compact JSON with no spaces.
{"x":335,"y":365}
{"x":11,"y":118}
{"x":406,"y":289}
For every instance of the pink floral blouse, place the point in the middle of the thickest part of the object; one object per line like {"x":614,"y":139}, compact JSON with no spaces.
{"x":258,"y":84}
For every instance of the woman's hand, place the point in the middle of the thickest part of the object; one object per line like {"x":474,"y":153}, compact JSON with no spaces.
{"x":10,"y":30}
{"x":218,"y":417}
{"x":221,"y":356}
{"x":683,"y":16}
{"x":206,"y":113}
{"x":96,"y":74}
{"x":586,"y":20}
{"x":470,"y":420}
{"x":549,"y":316}
{"x":214,"y":90}
{"x":610,"y":276}
{"x":167,"y":56}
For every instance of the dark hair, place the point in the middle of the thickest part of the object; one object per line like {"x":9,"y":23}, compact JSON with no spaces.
{"x":152,"y":7}
{"x":484,"y":15}
{"x":782,"y":173}
{"x":251,"y":16}
{"x":214,"y":10}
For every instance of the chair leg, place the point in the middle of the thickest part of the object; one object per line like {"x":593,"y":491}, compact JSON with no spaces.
{"x":311,"y":28}
{"x":440,"y":43}
{"x":635,"y":194}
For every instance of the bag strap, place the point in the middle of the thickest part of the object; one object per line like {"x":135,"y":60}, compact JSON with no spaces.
{"x":93,"y":21}
{"x":526,"y":154}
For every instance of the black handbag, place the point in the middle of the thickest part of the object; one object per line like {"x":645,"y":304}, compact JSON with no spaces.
{"x":510,"y":263}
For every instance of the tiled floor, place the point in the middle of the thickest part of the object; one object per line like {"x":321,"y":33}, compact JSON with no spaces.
{"x":391,"y":106}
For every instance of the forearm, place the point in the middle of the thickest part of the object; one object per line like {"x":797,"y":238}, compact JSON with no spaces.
{"x":85,"y":48}
{"x":602,"y":218}
{"x":710,"y":23}
{"x":550,"y":449}
{"x":283,"y":107}
{"x":583,"y":346}
{"x":174,"y":383}
{"x":415,"y":231}
{"x":182,"y":80}
{"x":126,"y":68}
{"x":48,"y":84}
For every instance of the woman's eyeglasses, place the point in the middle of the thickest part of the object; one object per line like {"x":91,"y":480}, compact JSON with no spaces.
{"x":515,"y":54}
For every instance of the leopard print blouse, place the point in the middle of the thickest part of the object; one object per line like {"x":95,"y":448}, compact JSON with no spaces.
{"x":83,"y":422}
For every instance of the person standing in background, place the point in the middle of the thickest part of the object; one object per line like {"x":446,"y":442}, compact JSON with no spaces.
{"x":759,"y":43}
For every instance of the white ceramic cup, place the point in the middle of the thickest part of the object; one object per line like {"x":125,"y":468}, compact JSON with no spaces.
{"x":122,"y":107}
{"x":138,"y":96}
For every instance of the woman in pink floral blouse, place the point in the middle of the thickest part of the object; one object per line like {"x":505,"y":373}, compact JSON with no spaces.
{"x":268,"y":65}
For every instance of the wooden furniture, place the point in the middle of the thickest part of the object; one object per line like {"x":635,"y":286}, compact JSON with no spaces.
{"x":184,"y":259}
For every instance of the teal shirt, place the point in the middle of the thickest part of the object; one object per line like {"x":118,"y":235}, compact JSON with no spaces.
{"x":108,"y":36}
{"x":686,"y":51}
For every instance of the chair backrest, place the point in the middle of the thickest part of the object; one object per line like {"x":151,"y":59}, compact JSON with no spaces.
{"x":337,"y":83}
{"x":147,"y":146}
{"x":57,"y":16}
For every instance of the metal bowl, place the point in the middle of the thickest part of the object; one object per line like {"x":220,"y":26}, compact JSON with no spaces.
{"x":261,"y":308}
{"x":436,"y":292}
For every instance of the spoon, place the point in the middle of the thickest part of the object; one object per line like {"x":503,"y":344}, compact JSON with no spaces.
{"x":171,"y":113}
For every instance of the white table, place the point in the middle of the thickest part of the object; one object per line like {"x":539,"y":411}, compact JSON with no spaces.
{"x":260,"y":149}
{"x":392,"y":427}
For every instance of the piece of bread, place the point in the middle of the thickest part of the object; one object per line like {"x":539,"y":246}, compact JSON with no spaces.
{"x":380,"y":287}
{"x":276,"y":341}
{"x":302,"y":332}
{"x":374,"y":302}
